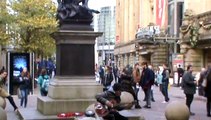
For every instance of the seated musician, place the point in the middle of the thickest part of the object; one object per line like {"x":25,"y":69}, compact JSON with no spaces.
{"x":111,"y":99}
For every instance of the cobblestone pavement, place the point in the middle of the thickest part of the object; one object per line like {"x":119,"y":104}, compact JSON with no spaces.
{"x":155,"y":113}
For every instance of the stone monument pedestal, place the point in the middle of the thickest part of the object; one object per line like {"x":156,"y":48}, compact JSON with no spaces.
{"x":74,"y":87}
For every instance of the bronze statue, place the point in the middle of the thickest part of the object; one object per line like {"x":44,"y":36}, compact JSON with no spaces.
{"x":70,"y":11}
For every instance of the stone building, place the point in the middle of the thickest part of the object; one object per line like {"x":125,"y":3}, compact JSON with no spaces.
{"x":137,"y":40}
{"x":196,"y":34}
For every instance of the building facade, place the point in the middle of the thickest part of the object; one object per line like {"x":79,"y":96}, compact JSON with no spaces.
{"x":147,"y":31}
{"x":196,"y":34}
{"x":105,"y":43}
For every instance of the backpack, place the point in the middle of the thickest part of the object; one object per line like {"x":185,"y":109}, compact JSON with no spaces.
{"x":45,"y":83}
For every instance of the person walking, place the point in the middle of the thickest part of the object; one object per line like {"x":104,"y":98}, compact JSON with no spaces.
{"x":189,"y":87}
{"x":152,"y":87}
{"x":200,"y":81}
{"x":3,"y":92}
{"x":111,"y":98}
{"x":159,"y":77}
{"x":44,"y":76}
{"x":180,"y":73}
{"x":165,"y":82}
{"x":25,"y":83}
{"x":146,"y":82}
{"x":108,"y":78}
{"x":115,"y":71}
{"x":208,"y":91}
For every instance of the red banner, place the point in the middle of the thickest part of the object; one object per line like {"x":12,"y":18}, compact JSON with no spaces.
{"x":161,"y":12}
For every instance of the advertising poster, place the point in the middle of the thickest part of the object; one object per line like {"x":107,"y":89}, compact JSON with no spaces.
{"x":16,"y":63}
{"x":177,"y":59}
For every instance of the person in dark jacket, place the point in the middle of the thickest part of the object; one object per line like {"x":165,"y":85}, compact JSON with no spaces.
{"x":165,"y":82}
{"x":106,"y":98}
{"x":146,"y":83}
{"x":208,"y":91}
{"x":127,"y":85}
{"x":189,"y":86}
{"x":180,"y":72}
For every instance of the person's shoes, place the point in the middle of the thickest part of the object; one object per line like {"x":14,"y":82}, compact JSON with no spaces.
{"x":208,"y":115}
{"x":137,"y":106}
{"x":153,"y":100}
{"x":147,"y":106}
{"x":192,"y":114}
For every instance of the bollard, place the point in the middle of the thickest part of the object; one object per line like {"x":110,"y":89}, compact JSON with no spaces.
{"x":2,"y":102}
{"x":177,"y":111}
{"x":127,"y":98}
{"x":3,"y":114}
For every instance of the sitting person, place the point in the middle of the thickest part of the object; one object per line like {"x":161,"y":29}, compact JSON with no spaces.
{"x":111,"y":98}
{"x":3,"y":92}
{"x":126,"y":82}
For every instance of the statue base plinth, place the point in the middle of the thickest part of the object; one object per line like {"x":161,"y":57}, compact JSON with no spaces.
{"x":68,"y":94}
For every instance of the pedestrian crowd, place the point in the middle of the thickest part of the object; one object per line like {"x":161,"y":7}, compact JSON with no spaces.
{"x":145,"y":77}
{"x":24,"y":82}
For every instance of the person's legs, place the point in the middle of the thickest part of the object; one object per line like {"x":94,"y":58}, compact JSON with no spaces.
{"x":10,"y":98}
{"x":22,"y":97}
{"x":208,"y":106}
{"x":152,"y":97}
{"x":189,"y":99}
{"x":5,"y":94}
{"x":166,"y":93}
{"x":132,"y":91}
{"x":148,"y":97}
{"x":178,"y":81}
{"x":164,"y":90}
{"x":26,"y":97}
{"x":145,"y":95}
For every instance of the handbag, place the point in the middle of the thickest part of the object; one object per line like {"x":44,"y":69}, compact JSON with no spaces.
{"x":204,"y":83}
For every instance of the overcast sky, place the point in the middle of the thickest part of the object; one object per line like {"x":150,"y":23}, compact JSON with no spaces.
{"x":96,"y":4}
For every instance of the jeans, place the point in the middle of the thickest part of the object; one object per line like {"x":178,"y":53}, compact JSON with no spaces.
{"x":165,"y":91}
{"x":24,"y":96}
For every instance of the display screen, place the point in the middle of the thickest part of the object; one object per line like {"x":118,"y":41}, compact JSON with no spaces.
{"x":19,"y":62}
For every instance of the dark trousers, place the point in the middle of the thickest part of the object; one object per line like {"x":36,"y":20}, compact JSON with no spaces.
{"x":114,"y":115}
{"x":178,"y":82}
{"x":147,"y":92}
{"x":10,"y":98}
{"x":189,"y":100}
{"x":208,"y":105}
{"x":164,"y":91}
